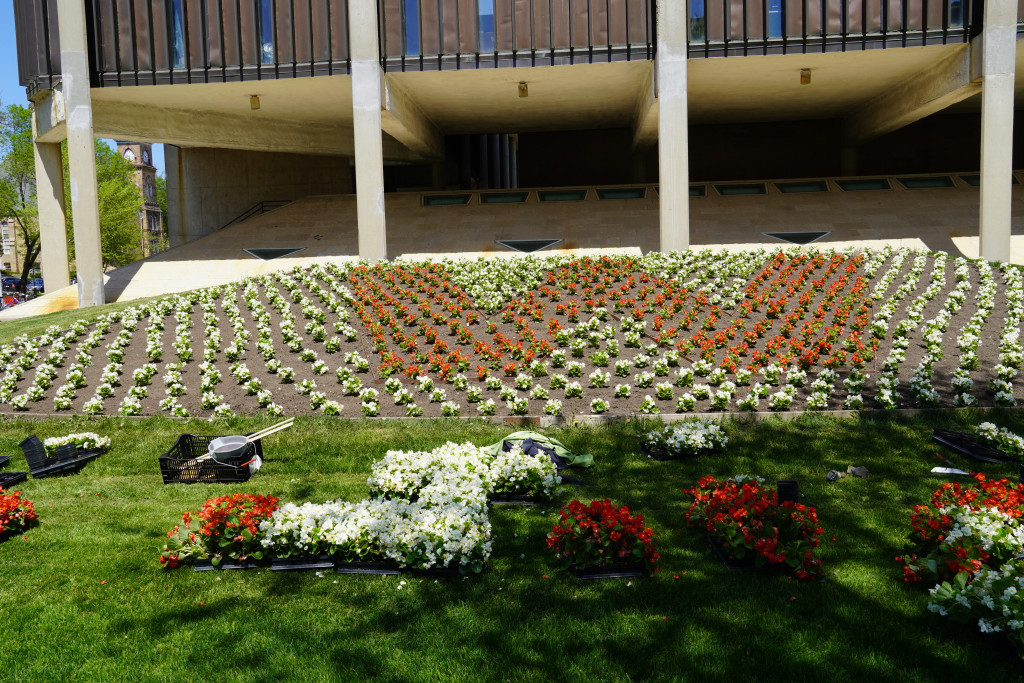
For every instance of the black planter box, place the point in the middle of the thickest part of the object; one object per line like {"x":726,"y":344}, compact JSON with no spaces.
{"x":439,"y":572}
{"x":301,"y":563}
{"x":513,"y":499}
{"x":228,"y":563}
{"x":12,"y":478}
{"x":969,"y":447}
{"x":5,"y":460}
{"x":609,"y":571}
{"x":659,"y":454}
{"x":379,"y":568}
{"x":731,"y":563}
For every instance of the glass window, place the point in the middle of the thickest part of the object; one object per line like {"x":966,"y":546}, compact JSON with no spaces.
{"x":697,"y":20}
{"x":178,"y":27}
{"x":956,"y":14}
{"x":411,"y":27}
{"x":774,"y":18}
{"x":485,"y":10}
{"x":267,"y":31}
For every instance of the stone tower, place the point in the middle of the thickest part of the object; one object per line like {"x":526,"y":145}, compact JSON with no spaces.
{"x":140,"y":154}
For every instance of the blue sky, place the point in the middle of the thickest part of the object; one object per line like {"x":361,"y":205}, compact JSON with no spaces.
{"x":13,"y":93}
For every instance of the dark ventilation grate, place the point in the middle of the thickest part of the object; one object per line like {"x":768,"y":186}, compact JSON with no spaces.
{"x":271,"y":254}
{"x":527,"y":246}
{"x":798,"y":237}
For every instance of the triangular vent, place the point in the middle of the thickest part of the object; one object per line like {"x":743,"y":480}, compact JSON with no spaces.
{"x":271,"y":254}
{"x":527,"y":246}
{"x":800,"y":238}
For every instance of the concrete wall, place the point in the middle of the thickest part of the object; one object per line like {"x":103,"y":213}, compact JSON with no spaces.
{"x":207,"y":188}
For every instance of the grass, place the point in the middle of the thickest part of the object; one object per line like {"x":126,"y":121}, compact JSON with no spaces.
{"x":510,"y":623}
{"x":35,"y":325}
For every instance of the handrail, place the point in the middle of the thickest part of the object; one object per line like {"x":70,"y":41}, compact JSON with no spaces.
{"x":258,"y":209}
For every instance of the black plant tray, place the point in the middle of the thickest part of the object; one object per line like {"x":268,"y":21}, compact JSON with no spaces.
{"x":12,"y":478}
{"x":658,"y":454}
{"x":731,"y":563}
{"x":5,"y":460}
{"x":513,"y":499}
{"x":228,"y":563}
{"x":379,"y":568}
{"x":439,"y":572}
{"x":969,"y":447}
{"x":301,"y":563}
{"x":608,"y":571}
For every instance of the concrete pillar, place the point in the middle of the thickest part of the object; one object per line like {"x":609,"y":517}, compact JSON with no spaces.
{"x":74,"y":58}
{"x":366,"y":122}
{"x":673,"y":123}
{"x":999,"y":49}
{"x":53,"y":240}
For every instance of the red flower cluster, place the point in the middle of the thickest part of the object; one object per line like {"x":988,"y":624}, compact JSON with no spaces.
{"x":228,"y":527}
{"x":601,"y":533}
{"x":749,"y":517}
{"x":15,"y":513}
{"x":934,"y":557}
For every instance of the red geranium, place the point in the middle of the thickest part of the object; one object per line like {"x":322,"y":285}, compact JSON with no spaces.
{"x":601,"y":533}
{"x":15,"y":513}
{"x":745,"y":516}
{"x":228,"y":527}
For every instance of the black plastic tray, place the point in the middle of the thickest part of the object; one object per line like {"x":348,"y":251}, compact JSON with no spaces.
{"x":969,"y":447}
{"x":301,"y":563}
{"x":609,"y":571}
{"x":12,"y":478}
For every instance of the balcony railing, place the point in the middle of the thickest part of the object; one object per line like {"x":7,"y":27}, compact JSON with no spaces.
{"x":461,"y":34}
{"x":136,"y":42}
{"x":761,"y":27}
{"x":142,"y":42}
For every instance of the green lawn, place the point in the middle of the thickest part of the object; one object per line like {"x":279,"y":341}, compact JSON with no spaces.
{"x":692,"y":621}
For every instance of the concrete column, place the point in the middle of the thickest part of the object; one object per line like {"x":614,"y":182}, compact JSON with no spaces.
{"x":366,"y":122}
{"x":53,"y":240}
{"x":673,"y":123}
{"x":74,"y":57}
{"x":999,"y":49}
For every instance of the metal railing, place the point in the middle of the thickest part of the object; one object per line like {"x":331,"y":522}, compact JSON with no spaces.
{"x":761,"y":27}
{"x":136,"y":42}
{"x":460,"y":34}
{"x":259,"y":209}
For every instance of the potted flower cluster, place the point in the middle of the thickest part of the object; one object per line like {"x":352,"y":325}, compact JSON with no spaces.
{"x":968,"y":541}
{"x":682,"y":439}
{"x":85,"y":441}
{"x":16,"y":514}
{"x":749,"y":525}
{"x":601,"y":539}
{"x":227,"y":534}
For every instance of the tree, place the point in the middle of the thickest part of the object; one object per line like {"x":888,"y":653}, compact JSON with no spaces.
{"x":120,"y":203}
{"x":161,"y":200}
{"x":18,"y":181}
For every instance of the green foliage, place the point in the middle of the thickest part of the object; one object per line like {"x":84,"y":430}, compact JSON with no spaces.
{"x":120,"y":202}
{"x":18,"y":182}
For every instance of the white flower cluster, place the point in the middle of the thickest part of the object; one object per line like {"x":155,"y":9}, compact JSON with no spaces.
{"x":84,"y":441}
{"x":690,"y":437}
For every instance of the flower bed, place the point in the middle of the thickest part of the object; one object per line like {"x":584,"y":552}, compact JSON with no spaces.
{"x":682,"y":332}
{"x":748,"y":521}
{"x":601,"y":534}
{"x":16,"y":513}
{"x":968,"y":539}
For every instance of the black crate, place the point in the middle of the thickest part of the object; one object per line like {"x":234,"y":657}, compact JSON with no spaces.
{"x":188,"y":462}
{"x":11,"y":478}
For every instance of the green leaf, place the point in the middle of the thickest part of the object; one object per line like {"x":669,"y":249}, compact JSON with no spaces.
{"x":258,"y":555}
{"x":215,"y":560}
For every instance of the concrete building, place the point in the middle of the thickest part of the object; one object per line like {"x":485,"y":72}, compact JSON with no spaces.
{"x":12,"y":246}
{"x":405,"y":126}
